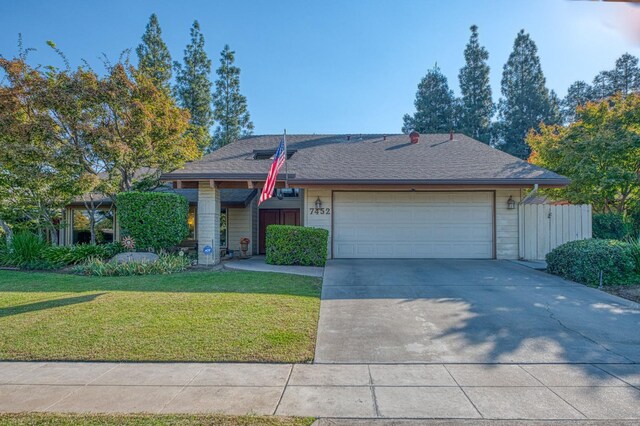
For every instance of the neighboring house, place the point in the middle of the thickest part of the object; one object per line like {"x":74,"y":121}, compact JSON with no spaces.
{"x":379,"y":196}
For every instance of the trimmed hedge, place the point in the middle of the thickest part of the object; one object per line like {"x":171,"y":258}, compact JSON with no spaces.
{"x":153,"y":219}
{"x":609,"y":226}
{"x":296,"y":245}
{"x":582,"y":261}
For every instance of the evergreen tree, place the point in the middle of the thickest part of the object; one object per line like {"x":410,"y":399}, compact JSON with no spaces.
{"x":230,"y":111}
{"x":626,"y":75}
{"x":434,"y":104}
{"x":193,"y":87}
{"x":579,"y":93}
{"x":476,"y":105}
{"x":603,"y":85}
{"x":154,"y":59}
{"x":526,"y":101}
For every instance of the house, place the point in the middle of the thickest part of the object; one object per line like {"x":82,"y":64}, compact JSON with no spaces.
{"x":379,"y":196}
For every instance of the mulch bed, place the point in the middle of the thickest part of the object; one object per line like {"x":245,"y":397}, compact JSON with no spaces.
{"x":630,"y":292}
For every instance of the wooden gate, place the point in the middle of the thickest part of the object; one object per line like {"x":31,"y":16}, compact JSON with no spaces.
{"x":544,"y":227}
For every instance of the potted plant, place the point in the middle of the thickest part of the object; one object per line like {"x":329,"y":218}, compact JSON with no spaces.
{"x":244,"y":245}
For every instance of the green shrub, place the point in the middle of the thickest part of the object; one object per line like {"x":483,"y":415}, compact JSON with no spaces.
{"x":610,"y":226}
{"x":166,"y":264}
{"x":4,"y":251}
{"x":25,"y":251}
{"x":153,"y":219}
{"x":582,"y":261}
{"x":634,"y":245}
{"x":296,"y":245}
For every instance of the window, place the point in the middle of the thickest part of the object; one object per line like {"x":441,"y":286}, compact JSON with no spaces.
{"x":193,"y":229}
{"x":267,"y":154}
{"x":81,"y":226}
{"x":191,"y":221}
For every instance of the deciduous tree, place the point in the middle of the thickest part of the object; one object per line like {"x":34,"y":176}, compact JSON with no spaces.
{"x":600,"y":152}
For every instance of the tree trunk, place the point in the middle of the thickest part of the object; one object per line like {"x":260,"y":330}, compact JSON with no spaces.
{"x":54,"y":234}
{"x":8,"y":233}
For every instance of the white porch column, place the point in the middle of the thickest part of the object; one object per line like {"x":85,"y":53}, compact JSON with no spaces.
{"x":208,"y":222}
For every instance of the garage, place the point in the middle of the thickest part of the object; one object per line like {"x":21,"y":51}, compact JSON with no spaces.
{"x":413,"y":225}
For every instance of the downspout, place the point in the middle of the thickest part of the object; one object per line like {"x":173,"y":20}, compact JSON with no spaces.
{"x":533,"y":192}
{"x":521,"y":224}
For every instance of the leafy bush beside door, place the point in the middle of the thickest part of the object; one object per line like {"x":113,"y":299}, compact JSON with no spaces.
{"x":296,"y":245}
{"x":154,"y":220}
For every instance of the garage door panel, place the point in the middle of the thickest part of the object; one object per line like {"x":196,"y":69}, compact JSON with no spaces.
{"x":413,"y":225}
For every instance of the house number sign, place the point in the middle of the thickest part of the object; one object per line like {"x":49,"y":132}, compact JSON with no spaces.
{"x":320,"y":210}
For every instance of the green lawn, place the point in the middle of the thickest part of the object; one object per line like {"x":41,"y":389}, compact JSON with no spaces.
{"x":148,"y":419}
{"x":195,"y":316}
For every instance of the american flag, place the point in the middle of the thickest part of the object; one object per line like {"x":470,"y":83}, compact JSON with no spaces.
{"x":279,"y":159}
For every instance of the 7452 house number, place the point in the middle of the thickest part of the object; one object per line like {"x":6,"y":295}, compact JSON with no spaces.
{"x":321,"y":210}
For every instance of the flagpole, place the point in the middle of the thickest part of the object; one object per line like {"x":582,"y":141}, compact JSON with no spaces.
{"x":286,"y":169}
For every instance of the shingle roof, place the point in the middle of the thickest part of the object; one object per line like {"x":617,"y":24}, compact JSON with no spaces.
{"x":371,"y":159}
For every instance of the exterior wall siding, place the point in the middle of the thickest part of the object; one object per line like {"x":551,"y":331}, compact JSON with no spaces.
{"x":208,"y":222}
{"x":318,"y":220}
{"x":507,"y":228}
{"x":239,"y":225}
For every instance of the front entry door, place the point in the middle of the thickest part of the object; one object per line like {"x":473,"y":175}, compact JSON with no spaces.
{"x":275,"y":217}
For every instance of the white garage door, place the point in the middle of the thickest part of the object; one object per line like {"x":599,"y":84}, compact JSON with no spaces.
{"x":413,"y":225}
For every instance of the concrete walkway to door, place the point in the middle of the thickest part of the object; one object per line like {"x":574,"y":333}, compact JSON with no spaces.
{"x":468,"y":311}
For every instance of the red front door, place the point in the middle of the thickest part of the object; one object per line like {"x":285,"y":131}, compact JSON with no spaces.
{"x":275,"y":217}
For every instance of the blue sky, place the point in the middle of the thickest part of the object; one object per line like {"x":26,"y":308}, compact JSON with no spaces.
{"x":335,"y":66}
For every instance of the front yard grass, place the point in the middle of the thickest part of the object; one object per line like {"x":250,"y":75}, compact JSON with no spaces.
{"x":195,"y":316}
{"x":148,"y":419}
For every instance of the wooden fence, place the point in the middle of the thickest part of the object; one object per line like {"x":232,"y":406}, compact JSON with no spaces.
{"x":544,"y":227}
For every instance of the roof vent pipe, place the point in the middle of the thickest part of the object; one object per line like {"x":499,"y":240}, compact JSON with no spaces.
{"x":451,"y":135}
{"x":414,"y":137}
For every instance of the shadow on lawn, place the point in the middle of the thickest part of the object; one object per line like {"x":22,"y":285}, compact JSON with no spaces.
{"x":47,"y":304}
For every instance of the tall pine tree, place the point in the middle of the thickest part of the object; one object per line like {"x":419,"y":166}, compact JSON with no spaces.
{"x":434,"y":104}
{"x":626,"y":75}
{"x":476,"y":107}
{"x":193,"y":87}
{"x":526,"y":101}
{"x":154,"y":59}
{"x":603,"y":85}
{"x":231,"y":113}
{"x":579,"y":93}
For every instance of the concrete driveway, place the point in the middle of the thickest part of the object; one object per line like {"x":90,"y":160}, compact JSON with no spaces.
{"x":468,"y":311}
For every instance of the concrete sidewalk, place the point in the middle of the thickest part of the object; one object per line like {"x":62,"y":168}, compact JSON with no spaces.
{"x":412,"y":391}
{"x":257,"y":264}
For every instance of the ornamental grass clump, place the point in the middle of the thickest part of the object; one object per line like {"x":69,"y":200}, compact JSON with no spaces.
{"x":166,"y":264}
{"x":25,"y":251}
{"x":72,"y":255}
